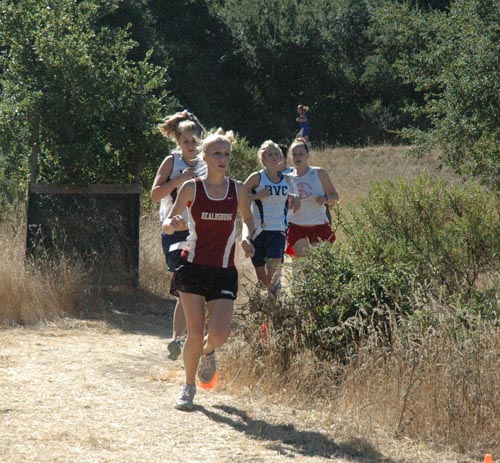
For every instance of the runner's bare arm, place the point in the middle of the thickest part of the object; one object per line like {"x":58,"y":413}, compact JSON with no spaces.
{"x":247,"y":219}
{"x":253,"y":182}
{"x":175,"y":222}
{"x":162,"y":186}
{"x":293,"y":195}
{"x":331,"y":195}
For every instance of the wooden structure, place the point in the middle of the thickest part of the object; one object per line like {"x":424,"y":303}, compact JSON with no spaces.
{"x":98,"y":224}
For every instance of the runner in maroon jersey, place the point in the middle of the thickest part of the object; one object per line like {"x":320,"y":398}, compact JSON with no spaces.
{"x":206,"y":271}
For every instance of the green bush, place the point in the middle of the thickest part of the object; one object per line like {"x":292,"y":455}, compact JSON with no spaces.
{"x":449,"y":235}
{"x":458,"y":71}
{"x":244,"y":159}
{"x":408,"y":246}
{"x":343,"y":298}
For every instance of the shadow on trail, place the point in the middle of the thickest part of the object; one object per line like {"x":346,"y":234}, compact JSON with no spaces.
{"x":286,"y":439}
{"x":132,"y":310}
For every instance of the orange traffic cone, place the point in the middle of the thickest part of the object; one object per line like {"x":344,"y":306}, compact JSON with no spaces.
{"x":212,"y":383}
{"x":488,"y":458}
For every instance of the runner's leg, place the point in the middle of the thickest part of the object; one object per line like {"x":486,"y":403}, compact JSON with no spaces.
{"x":219,"y":323}
{"x":179,"y":323}
{"x":194,"y":311}
{"x":273,"y":267}
{"x":261,"y":273}
{"x":300,"y":247}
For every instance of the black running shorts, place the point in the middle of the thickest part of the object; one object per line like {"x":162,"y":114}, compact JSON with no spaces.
{"x":211,"y":282}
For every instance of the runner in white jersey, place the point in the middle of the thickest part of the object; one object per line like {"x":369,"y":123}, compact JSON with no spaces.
{"x":181,"y":165}
{"x":270,"y":194}
{"x":310,"y":223}
{"x":309,"y":187}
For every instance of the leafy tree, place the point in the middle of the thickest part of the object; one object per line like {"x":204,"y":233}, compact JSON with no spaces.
{"x":396,"y":31}
{"x":426,"y":4}
{"x":70,"y":89}
{"x":246,"y":65}
{"x":459,"y":72}
{"x":270,"y":39}
{"x":301,"y":52}
{"x":143,"y":26}
{"x":208,"y":75}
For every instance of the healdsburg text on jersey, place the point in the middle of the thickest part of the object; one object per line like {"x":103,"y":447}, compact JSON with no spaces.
{"x":216,"y":216}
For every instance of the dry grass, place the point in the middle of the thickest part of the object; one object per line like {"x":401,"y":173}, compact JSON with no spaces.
{"x":34,"y":292}
{"x":442,"y":388}
{"x":48,"y":289}
{"x":153,"y":273}
{"x":354,"y":170}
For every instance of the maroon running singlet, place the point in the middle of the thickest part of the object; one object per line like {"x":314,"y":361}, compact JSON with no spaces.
{"x":212,"y":220}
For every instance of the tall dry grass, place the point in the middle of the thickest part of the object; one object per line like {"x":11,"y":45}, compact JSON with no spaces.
{"x":153,"y":275}
{"x":353,"y":170}
{"x":33,"y":292}
{"x":441,"y":388}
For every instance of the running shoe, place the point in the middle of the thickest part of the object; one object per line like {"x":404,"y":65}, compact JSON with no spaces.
{"x":185,"y":400}
{"x":207,"y":367}
{"x":175,"y":348}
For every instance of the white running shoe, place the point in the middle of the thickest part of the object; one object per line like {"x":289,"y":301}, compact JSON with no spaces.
{"x":175,"y":348}
{"x":185,"y":400}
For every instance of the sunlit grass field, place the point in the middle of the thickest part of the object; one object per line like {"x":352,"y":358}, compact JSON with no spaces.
{"x":354,"y":170}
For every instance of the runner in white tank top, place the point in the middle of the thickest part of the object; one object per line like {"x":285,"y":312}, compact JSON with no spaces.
{"x":309,"y":224}
{"x":269,"y":191}
{"x":181,"y":165}
{"x":269,"y":212}
{"x":308,"y":188}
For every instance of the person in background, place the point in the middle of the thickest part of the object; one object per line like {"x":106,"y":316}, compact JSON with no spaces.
{"x":309,"y":224}
{"x":180,"y":165}
{"x":303,"y":120}
{"x":286,"y":169}
{"x":206,"y":272}
{"x":269,"y":192}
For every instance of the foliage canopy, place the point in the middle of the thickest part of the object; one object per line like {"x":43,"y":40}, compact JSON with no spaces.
{"x":70,"y":90}
{"x":85,"y":82}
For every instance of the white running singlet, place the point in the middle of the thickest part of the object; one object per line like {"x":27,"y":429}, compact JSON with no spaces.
{"x":270,"y":212}
{"x":308,"y":186}
{"x":178,"y":166}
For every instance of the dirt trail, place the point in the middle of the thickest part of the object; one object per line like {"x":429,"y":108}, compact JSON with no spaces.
{"x":103,"y":390}
{"x":85,"y":391}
